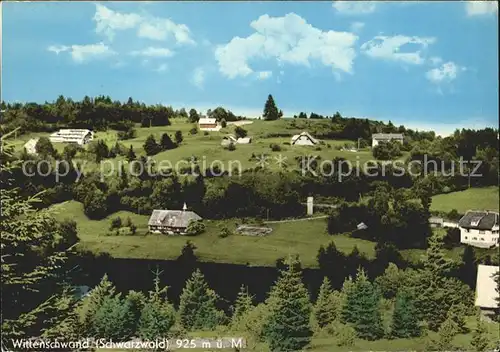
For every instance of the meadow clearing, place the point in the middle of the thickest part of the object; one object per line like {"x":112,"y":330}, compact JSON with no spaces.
{"x":469,"y":199}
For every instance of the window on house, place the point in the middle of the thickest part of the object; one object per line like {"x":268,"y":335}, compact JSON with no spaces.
{"x":482,"y":239}
{"x":467,"y":230}
{"x":474,"y":238}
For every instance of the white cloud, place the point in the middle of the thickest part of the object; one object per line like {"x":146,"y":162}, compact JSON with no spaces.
{"x":389,"y":48}
{"x":82,"y":53}
{"x":479,"y":8}
{"x":58,"y":48}
{"x":162,"y":68}
{"x":198,"y":78}
{"x":288,"y":39}
{"x":108,"y":22}
{"x":354,"y":7}
{"x":153,"y":52}
{"x":446,"y":73}
{"x":357,"y":26}
{"x":263,"y":75}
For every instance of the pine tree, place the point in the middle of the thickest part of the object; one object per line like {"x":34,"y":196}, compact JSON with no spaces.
{"x":114,"y":319}
{"x":479,"y":335}
{"x":446,"y":333}
{"x":32,"y":259}
{"x":157,"y":316}
{"x":436,"y":261}
{"x":242,"y":305}
{"x":270,"y":110}
{"x":150,"y":145}
{"x":468,"y":270}
{"x":457,"y":314}
{"x":288,"y":326}
{"x":404,"y":318}
{"x":362,"y":308}
{"x":178,"y":137}
{"x":197,"y":308}
{"x":131,"y":154}
{"x":326,"y":307}
{"x":166,"y":142}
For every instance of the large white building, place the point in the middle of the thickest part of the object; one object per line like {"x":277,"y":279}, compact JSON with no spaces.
{"x":303,"y":138}
{"x":479,"y":228}
{"x":386,"y":137}
{"x":486,"y":288}
{"x":208,"y":124}
{"x":78,"y":136}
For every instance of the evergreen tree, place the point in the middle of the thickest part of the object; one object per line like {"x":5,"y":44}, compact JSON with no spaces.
{"x":150,"y":145}
{"x":479,"y":335}
{"x":178,"y":137}
{"x":157,"y":316}
{"x":404,"y":318}
{"x":362,"y":308}
{"x":326,"y":307}
{"x":242,"y":305}
{"x":131,"y":154}
{"x":390,"y":281}
{"x":446,"y":333}
{"x":166,"y":142}
{"x":197,"y":307}
{"x":288,"y":326}
{"x":114,"y":319}
{"x":270,"y":110}
{"x":32,"y":260}
{"x":436,"y":261}
{"x":457,"y":314}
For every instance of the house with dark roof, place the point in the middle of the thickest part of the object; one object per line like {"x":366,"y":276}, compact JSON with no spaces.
{"x":172,"y":221}
{"x":479,"y":228}
{"x":386,"y":137}
{"x":303,"y":138}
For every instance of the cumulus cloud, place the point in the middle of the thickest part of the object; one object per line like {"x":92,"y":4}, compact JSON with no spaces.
{"x":479,"y":8}
{"x":262,"y":75}
{"x":288,"y":39}
{"x":389,"y":48}
{"x":83,"y":53}
{"x":354,"y":7}
{"x":446,"y":73}
{"x":153,"y":52}
{"x":198,"y":77}
{"x":108,"y":22}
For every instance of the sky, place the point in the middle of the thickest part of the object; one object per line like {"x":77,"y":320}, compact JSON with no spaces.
{"x":427,"y":65}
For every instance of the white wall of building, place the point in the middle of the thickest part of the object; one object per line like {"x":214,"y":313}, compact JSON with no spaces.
{"x":303,"y":140}
{"x":376,"y":142}
{"x":479,"y":238}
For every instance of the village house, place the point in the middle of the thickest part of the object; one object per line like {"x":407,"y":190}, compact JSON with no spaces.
{"x":479,"y":228}
{"x":30,"y":146}
{"x":303,"y":138}
{"x":208,"y":124}
{"x":386,"y":137}
{"x":487,"y":289}
{"x":78,"y":136}
{"x":172,"y":221}
{"x":230,"y":139}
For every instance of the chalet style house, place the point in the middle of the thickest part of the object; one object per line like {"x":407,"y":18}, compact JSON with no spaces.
{"x":303,"y":139}
{"x":207,"y":124}
{"x":171,"y":221}
{"x":386,"y":137}
{"x":78,"y":136}
{"x":479,"y":228}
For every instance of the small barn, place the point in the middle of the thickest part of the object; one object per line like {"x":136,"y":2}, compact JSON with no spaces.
{"x":78,"y":136}
{"x":230,"y":139}
{"x":487,"y":289}
{"x":377,"y":138}
{"x":303,"y":138}
{"x":208,"y":124}
{"x":171,"y":221}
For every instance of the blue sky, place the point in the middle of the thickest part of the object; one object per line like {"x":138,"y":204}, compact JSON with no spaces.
{"x":425,"y":65}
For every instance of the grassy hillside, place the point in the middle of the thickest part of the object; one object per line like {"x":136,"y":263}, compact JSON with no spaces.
{"x":302,"y":237}
{"x":473,"y":198}
{"x":207,"y":147}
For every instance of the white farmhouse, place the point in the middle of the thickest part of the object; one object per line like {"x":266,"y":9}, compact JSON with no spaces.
{"x":208,"y":124}
{"x":303,"y":139}
{"x":479,"y":228}
{"x":386,"y":137}
{"x":486,"y":289}
{"x":78,"y":136}
{"x":30,"y":146}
